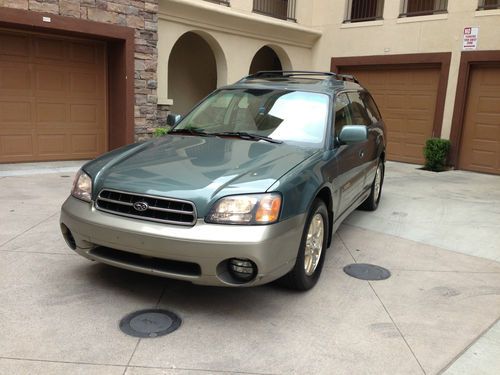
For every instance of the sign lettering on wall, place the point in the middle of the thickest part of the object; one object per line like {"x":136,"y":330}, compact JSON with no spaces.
{"x":471,"y":35}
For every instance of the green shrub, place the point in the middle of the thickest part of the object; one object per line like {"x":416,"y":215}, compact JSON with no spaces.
{"x":159,"y":132}
{"x":436,"y":152}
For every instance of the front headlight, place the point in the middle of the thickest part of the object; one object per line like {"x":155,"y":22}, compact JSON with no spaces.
{"x":246,"y":209}
{"x":82,"y":186}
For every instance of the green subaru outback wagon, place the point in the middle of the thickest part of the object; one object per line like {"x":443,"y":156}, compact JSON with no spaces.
{"x":247,"y":188}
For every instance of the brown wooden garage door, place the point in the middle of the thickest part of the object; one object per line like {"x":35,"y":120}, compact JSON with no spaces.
{"x":407,"y":100}
{"x":480,"y":142}
{"x":52,"y":98}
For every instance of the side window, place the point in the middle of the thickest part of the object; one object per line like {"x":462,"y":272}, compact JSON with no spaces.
{"x":358,"y":110}
{"x":342,"y":113}
{"x":371,"y":107}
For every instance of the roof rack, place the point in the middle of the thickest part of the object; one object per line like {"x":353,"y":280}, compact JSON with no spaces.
{"x":294,"y":73}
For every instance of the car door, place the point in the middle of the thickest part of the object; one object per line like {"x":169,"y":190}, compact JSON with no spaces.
{"x":351,"y":157}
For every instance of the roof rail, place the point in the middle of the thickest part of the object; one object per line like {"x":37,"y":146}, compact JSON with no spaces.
{"x":294,"y":73}
{"x":347,"y":77}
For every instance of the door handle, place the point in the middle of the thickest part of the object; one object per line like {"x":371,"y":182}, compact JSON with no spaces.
{"x":361,"y":154}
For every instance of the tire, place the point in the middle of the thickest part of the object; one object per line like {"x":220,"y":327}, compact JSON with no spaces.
{"x":310,"y":258}
{"x":371,"y":203}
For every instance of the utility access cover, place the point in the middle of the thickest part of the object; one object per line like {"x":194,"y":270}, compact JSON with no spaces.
{"x":367,"y":271}
{"x":150,"y":323}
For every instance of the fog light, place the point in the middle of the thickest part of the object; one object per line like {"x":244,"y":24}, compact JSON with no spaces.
{"x":242,"y":269}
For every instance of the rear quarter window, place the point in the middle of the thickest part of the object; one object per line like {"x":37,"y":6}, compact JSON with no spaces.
{"x":359,"y":114}
{"x":371,"y":107}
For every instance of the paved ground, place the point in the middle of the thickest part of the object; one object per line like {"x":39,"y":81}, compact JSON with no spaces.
{"x":437,"y":233}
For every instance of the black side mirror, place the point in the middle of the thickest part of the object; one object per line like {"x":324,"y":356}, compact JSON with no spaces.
{"x":353,"y":134}
{"x":173,"y":119}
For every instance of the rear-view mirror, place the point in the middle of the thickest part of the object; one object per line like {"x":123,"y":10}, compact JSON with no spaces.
{"x":173,"y":119}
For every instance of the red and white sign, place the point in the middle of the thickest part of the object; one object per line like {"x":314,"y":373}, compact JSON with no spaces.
{"x":471,"y":36}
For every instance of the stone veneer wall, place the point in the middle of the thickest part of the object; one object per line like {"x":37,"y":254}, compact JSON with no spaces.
{"x":142,"y":15}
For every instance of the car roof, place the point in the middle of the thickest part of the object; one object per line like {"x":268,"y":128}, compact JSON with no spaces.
{"x":321,"y":82}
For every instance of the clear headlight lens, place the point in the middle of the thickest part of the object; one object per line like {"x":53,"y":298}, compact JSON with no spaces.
{"x":82,"y":186}
{"x":246,"y":209}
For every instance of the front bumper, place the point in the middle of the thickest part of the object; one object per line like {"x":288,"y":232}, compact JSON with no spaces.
{"x":273,"y":248}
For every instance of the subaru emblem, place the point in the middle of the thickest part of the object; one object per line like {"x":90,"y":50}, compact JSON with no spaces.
{"x":141,"y":206}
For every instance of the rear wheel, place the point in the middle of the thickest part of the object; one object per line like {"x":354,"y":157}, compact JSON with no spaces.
{"x":311,"y":255}
{"x":371,"y":203}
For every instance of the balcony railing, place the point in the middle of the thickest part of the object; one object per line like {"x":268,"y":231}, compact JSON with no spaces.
{"x":221,"y":2}
{"x":413,"y":8}
{"x":488,"y":4}
{"x":364,"y":10}
{"x":282,"y":9}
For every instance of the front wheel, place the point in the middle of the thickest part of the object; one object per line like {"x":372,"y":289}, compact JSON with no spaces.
{"x":311,"y":255}
{"x":371,"y":203}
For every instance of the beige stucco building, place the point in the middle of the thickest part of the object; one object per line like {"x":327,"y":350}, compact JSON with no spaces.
{"x":408,"y":53}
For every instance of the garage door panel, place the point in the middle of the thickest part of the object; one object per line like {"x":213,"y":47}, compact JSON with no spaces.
{"x":86,"y":113}
{"x":50,"y":81}
{"x":17,"y":145}
{"x":393,"y":101}
{"x":14,"y":46}
{"x":15,"y":112}
{"x":53,"y":103}
{"x":51,"y":144}
{"x":412,"y":151}
{"x":84,"y":143}
{"x":406,"y":97}
{"x":83,"y":84}
{"x":484,"y":160}
{"x":49,"y":49}
{"x":488,"y":105}
{"x":480,"y":141}
{"x":486,"y":133}
{"x":50,"y":114}
{"x":83,"y":53}
{"x":423,"y":102}
{"x":15,"y":79}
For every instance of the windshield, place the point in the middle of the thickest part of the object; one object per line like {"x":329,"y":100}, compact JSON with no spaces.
{"x":290,"y":116}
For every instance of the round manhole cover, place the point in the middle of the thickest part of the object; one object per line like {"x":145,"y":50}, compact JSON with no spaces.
{"x":367,"y":271}
{"x":150,"y":323}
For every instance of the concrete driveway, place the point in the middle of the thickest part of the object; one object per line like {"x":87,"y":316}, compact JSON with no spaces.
{"x":437,"y":233}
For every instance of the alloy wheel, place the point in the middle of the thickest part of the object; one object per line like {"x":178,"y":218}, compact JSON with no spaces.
{"x":314,"y":244}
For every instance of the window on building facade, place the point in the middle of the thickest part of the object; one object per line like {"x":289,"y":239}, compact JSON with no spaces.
{"x":488,"y":4}
{"x":364,"y":10}
{"x":283,"y":9}
{"x":412,"y":8}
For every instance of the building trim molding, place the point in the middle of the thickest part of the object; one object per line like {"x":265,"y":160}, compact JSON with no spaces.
{"x":206,"y":15}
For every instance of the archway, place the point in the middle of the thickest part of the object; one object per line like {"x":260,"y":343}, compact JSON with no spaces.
{"x":192,"y":72}
{"x":265,"y":59}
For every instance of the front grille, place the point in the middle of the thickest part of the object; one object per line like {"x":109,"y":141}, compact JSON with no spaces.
{"x":159,"y":209}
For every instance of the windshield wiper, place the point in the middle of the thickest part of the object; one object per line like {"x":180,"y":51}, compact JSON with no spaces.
{"x":249,"y":136}
{"x":190,"y":131}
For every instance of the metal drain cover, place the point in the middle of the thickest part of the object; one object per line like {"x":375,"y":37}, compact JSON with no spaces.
{"x":365,"y":271}
{"x":150,"y":323}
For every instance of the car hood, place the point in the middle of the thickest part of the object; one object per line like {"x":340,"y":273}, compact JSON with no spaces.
{"x":198,"y":169}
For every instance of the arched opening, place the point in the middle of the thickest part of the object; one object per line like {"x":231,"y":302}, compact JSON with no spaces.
{"x":265,"y":59}
{"x":192,"y":72}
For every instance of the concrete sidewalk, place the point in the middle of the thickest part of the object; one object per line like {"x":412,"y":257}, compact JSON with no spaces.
{"x":436,"y":233}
